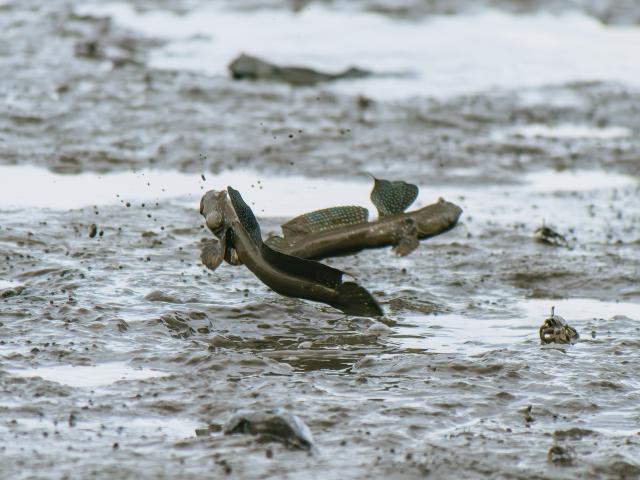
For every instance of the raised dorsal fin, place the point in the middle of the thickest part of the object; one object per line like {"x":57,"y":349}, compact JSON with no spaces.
{"x":245,"y":215}
{"x":325,"y":219}
{"x":392,"y":197}
{"x":299,"y":267}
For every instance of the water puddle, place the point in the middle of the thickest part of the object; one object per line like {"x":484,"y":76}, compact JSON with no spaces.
{"x":571,"y":131}
{"x":579,"y":308}
{"x":25,"y":186}
{"x":468,"y":335}
{"x":455,"y":333}
{"x":572,"y":181}
{"x":90,"y":376}
{"x":151,"y":427}
{"x":448,"y":55}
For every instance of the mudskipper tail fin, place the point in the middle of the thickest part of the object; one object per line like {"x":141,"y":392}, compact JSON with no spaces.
{"x":356,"y":300}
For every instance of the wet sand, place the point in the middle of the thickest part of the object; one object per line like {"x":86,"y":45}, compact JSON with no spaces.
{"x":115,"y":349}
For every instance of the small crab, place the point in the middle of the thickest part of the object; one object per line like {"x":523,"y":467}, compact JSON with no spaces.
{"x":548,"y":236}
{"x":555,"y":329}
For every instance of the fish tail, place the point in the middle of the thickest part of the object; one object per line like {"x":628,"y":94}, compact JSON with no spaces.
{"x":356,"y":300}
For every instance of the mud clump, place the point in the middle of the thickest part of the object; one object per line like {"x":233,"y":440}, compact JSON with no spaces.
{"x":159,"y":296}
{"x":278,"y":425}
{"x":560,"y":455}
{"x":12,"y":292}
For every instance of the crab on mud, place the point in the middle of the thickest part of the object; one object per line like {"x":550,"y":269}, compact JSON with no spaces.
{"x":555,"y":329}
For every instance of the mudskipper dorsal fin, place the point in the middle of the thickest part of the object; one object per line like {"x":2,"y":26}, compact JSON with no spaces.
{"x":246,"y":216}
{"x":325,"y":219}
{"x":277,"y":243}
{"x":300,"y":267}
{"x":392,"y":197}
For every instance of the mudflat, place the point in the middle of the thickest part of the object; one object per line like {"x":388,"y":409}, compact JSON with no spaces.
{"x":117,"y":344}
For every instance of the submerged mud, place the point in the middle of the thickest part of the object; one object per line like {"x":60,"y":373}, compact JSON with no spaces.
{"x":117,"y":345}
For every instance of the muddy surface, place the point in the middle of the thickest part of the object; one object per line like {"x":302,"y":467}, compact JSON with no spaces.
{"x":116,"y":343}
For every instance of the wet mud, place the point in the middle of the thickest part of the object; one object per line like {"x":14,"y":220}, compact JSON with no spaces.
{"x":122,"y":356}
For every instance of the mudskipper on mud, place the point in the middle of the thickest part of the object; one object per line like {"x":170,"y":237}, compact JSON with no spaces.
{"x":346,"y":229}
{"x":246,"y":67}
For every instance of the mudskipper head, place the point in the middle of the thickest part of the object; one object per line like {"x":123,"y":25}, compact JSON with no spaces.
{"x":246,"y":67}
{"x":212,"y":210}
{"x":213,"y":251}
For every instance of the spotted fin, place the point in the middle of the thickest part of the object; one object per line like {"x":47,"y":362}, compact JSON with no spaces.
{"x":325,"y":219}
{"x":300,"y":267}
{"x":392,"y":197}
{"x":245,"y":215}
{"x":277,"y":243}
{"x":211,"y":253}
{"x":407,"y":238}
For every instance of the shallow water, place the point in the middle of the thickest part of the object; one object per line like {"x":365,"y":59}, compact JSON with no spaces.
{"x":115,"y":349}
{"x":572,"y":131}
{"x":90,"y":376}
{"x":474,"y":334}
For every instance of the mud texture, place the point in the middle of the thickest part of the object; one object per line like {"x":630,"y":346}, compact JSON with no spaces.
{"x":614,"y":12}
{"x":78,"y":97}
{"x":138,"y":117}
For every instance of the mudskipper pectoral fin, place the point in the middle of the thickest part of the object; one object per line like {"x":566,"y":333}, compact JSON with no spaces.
{"x":407,"y":238}
{"x":325,"y":219}
{"x":392,"y":197}
{"x":356,"y":300}
{"x":211,"y":253}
